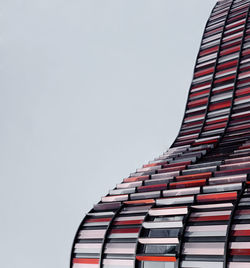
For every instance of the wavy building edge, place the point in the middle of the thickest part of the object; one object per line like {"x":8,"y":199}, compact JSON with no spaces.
{"x":189,"y":207}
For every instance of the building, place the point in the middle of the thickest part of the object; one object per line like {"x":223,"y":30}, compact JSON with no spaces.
{"x":190,"y":207}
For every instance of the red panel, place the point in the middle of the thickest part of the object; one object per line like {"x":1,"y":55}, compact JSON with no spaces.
{"x":244,"y":147}
{"x":240,"y":251}
{"x":242,"y":98}
{"x":98,"y":220}
{"x":240,"y":127}
{"x":199,"y":93}
{"x":178,"y":164}
{"x":224,"y":71}
{"x":87,"y":261}
{"x":143,"y":201}
{"x":155,"y":164}
{"x":229,"y":50}
{"x":208,"y":51}
{"x":196,"y":123}
{"x":204,"y":175}
{"x":242,"y":117}
{"x":216,"y":121}
{"x":245,"y":52}
{"x":241,"y":8}
{"x":240,"y":233}
{"x":225,"y":65}
{"x":128,"y":222}
{"x":223,"y":79}
{"x":189,"y":132}
{"x":243,"y":74}
{"x":243,"y":81}
{"x":234,"y":37}
{"x":233,"y":171}
{"x":199,"y":102}
{"x":238,"y":17}
{"x":184,"y":184}
{"x":152,"y":187}
{"x":224,"y":89}
{"x":220,"y":105}
{"x":244,"y":68}
{"x":235,"y":25}
{"x":210,"y":218}
{"x":156,"y":258}
{"x":210,"y":32}
{"x":204,"y":72}
{"x":215,"y":126}
{"x":234,"y":31}
{"x":140,"y":178}
{"x":243,"y":211}
{"x":216,"y":197}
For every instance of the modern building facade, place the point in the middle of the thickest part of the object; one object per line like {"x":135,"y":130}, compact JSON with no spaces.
{"x":189,"y":207}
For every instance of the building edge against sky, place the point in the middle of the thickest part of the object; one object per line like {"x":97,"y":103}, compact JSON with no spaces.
{"x":189,"y":207}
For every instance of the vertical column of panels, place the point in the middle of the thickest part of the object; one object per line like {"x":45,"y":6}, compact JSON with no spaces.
{"x":203,"y":74}
{"x":227,"y":70}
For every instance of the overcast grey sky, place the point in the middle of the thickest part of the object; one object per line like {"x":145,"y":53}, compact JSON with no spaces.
{"x":90,"y":91}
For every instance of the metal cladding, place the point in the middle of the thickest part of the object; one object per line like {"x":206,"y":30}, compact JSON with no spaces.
{"x":189,"y":207}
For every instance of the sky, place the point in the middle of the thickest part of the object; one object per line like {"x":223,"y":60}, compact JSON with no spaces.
{"x":89,"y":91}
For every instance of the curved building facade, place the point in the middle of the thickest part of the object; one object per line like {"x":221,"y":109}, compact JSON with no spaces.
{"x":189,"y":207}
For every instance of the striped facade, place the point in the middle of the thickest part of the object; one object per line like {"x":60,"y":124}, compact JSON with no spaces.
{"x":189,"y":207}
